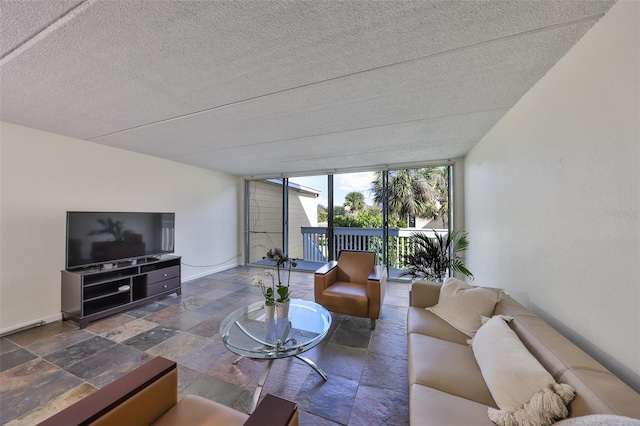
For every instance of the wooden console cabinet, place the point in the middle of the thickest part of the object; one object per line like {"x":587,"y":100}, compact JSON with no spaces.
{"x":91,"y":294}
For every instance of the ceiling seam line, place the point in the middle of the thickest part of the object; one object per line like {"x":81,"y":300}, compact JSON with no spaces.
{"x":337,"y":132}
{"x":46,"y":31}
{"x":430,"y":56}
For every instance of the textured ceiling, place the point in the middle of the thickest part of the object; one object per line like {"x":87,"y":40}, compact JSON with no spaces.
{"x":278,"y":87}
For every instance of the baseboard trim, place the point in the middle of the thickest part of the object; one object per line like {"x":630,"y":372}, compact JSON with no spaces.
{"x":30,"y":324}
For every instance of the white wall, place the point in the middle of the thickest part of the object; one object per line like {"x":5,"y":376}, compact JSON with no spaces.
{"x":43,"y":175}
{"x":553,"y":196}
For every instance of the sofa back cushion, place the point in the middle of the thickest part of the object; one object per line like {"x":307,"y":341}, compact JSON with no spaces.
{"x":462,"y":305}
{"x":598,"y":391}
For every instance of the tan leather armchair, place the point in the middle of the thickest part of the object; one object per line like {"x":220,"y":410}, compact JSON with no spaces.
{"x":352,"y":285}
{"x":148,"y":395}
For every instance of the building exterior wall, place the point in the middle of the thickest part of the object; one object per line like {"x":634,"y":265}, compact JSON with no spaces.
{"x":265,"y":218}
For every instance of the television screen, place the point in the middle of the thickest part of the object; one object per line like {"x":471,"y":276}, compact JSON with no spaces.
{"x":95,"y":238}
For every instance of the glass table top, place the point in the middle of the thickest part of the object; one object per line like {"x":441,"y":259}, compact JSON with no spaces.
{"x":246,"y":332}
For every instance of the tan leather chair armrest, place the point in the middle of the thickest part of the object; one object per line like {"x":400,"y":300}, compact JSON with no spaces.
{"x":376,"y":290}
{"x":378,"y":274}
{"x":323,"y":278}
{"x":138,"y":397}
{"x":424,"y":294}
{"x":274,"y":411}
{"x":327,"y":267}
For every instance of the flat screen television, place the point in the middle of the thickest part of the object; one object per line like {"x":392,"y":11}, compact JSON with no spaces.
{"x":98,"y":238}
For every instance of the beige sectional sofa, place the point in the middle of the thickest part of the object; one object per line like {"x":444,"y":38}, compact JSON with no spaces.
{"x":447,"y":385}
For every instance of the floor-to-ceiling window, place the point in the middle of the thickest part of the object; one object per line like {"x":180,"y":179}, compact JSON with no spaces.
{"x":314,"y":217}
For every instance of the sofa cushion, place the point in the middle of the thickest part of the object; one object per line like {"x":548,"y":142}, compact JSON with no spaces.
{"x":600,"y":392}
{"x":195,"y":410}
{"x":599,"y":420}
{"x":462,"y":305}
{"x":421,"y":321}
{"x":432,"y":407}
{"x":446,"y":366}
{"x":525,"y":392}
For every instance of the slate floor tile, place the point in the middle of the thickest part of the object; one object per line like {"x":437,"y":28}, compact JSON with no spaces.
{"x":24,"y":399}
{"x":60,"y":341}
{"x":11,"y":359}
{"x":109,"y":323}
{"x":354,"y":336}
{"x":239,"y":373}
{"x":103,"y":367}
{"x":165,"y":315}
{"x":207,"y":328}
{"x":23,"y":374}
{"x":186,"y":321}
{"x":343,"y":360}
{"x":387,"y":372}
{"x":332,"y":399}
{"x":285,"y":379}
{"x":79,"y":351}
{"x":7,"y":345}
{"x":310,"y":419}
{"x":213,"y":389}
{"x":128,"y":330}
{"x":204,"y":358}
{"x":55,"y":405}
{"x":144,"y":310}
{"x":33,"y":335}
{"x":177,"y":346}
{"x":186,"y":377}
{"x":150,"y":338}
{"x":387,"y":343}
{"x":376,"y":406}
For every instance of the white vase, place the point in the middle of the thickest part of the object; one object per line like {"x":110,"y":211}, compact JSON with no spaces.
{"x":282,"y":309}
{"x":268,"y":312}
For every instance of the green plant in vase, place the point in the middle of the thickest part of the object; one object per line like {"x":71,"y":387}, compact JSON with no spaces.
{"x":283,"y":262}
{"x":266,"y":282}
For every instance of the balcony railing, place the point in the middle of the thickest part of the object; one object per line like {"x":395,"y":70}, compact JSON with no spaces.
{"x":316,"y":249}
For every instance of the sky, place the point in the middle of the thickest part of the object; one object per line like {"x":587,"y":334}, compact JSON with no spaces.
{"x":342,"y":185}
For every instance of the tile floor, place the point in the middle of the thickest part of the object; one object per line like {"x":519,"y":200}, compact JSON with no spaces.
{"x":44,"y":369}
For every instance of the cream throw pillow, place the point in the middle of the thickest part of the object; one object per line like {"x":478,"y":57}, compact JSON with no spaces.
{"x":462,"y":305}
{"x":525,"y":392}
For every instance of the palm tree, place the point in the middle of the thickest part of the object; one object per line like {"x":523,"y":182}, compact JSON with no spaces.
{"x":354,"y":201}
{"x":414,"y":192}
{"x":438,"y":178}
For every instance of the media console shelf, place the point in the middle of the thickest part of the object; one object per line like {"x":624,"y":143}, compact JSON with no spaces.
{"x":91,"y":294}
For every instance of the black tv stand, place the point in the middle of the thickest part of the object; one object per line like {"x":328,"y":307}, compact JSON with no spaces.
{"x":92,"y":294}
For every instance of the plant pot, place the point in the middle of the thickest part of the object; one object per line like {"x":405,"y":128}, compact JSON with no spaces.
{"x":268,"y":312}
{"x":282,"y":309}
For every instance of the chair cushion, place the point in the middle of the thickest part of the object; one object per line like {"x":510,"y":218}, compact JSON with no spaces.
{"x":195,"y":410}
{"x":346,"y":298}
{"x":355,"y":266}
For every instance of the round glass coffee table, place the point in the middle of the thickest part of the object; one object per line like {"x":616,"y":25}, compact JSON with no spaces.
{"x":246,"y":332}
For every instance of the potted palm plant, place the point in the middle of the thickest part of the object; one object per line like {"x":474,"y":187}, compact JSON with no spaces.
{"x":434,"y":256}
